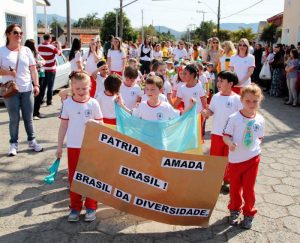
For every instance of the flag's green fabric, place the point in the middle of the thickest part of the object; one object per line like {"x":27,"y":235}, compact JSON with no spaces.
{"x":49,"y":179}
{"x":177,"y":135}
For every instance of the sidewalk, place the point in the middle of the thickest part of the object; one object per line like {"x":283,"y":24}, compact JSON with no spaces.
{"x":31,"y":211}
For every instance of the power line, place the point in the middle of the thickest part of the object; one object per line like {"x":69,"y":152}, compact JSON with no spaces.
{"x":243,"y":9}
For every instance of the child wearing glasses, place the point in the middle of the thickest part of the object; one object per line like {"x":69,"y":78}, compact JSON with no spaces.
{"x":243,"y":134}
{"x":76,"y":111}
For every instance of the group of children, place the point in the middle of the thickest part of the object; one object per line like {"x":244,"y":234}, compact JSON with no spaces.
{"x":164,"y":94}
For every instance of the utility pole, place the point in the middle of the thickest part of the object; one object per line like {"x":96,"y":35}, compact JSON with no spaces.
{"x":68,"y":23}
{"x":117,"y":24}
{"x":219,"y":16}
{"x":142,"y":25}
{"x":121,"y":19}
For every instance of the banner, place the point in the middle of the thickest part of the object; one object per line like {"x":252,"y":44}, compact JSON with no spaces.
{"x":168,"y":187}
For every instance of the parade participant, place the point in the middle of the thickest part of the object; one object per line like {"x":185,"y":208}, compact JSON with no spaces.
{"x":101,"y":73}
{"x":203,"y":79}
{"x":131,"y":93}
{"x":48,"y":52}
{"x":132,"y":62}
{"x":76,"y":111}
{"x":145,"y":55}
{"x":243,"y":134}
{"x":106,"y":98}
{"x":161,"y":68}
{"x":157,"y":53}
{"x":17,"y":63}
{"x":242,"y":64}
{"x":116,"y":57}
{"x":291,"y":77}
{"x":211,"y":77}
{"x":222,"y":105}
{"x":154,"y":109}
{"x":91,"y":58}
{"x":75,"y":56}
{"x":224,"y":60}
{"x":179,"y":52}
{"x":178,"y":80}
{"x":213,"y":52}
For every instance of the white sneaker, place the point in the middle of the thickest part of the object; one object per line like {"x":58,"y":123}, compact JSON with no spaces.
{"x":33,"y":145}
{"x":90,"y":215}
{"x":13,"y":148}
{"x":36,"y":118}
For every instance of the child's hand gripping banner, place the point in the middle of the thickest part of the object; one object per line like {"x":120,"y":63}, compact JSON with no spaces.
{"x":168,"y":187}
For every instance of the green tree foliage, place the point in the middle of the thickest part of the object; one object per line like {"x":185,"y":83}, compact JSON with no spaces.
{"x":204,"y":32}
{"x":149,"y":30}
{"x":109,"y":27}
{"x":40,"y":24}
{"x":224,"y":35}
{"x":55,"y":23}
{"x":269,"y":33}
{"x":90,"y":21}
{"x":165,"y":36}
{"x":242,"y":33}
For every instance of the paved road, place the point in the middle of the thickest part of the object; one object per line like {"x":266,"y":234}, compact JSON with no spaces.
{"x":31,"y":211}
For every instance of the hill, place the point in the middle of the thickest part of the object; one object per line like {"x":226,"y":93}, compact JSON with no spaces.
{"x":237,"y":26}
{"x":50,"y":17}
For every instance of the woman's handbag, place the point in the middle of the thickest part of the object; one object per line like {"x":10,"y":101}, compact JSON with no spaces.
{"x":265,"y":72}
{"x":10,"y":88}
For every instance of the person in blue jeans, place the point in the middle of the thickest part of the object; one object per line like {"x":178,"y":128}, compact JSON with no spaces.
{"x":17,"y":63}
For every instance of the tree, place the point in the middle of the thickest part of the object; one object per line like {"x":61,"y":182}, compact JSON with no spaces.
{"x":149,"y":30}
{"x":204,"y":32}
{"x":224,"y":35}
{"x":90,"y":21}
{"x":109,"y":27}
{"x":269,"y":33}
{"x":242,"y":33}
{"x":40,"y":24}
{"x":165,"y":36}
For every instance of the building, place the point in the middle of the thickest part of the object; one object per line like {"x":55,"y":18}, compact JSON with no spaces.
{"x":22,"y":12}
{"x":276,"y":19}
{"x":84,"y":34}
{"x":291,"y":22}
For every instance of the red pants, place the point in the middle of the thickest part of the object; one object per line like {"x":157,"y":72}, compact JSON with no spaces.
{"x":236,"y":90}
{"x":242,"y":181}
{"x":93,"y":87}
{"x":219,"y":148}
{"x":76,"y":199}
{"x":111,"y":121}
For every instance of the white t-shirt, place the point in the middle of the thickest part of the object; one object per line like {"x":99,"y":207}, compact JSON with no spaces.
{"x":176,"y":85}
{"x":75,"y":60}
{"x":190,"y":53}
{"x":78,"y":114}
{"x":187,"y":93}
{"x":161,"y":97}
{"x":179,"y":54}
{"x":91,"y":64}
{"x":157,"y":54}
{"x":236,"y":127}
{"x":240,"y":66}
{"x":161,"y":112}
{"x":117,"y":58}
{"x":9,"y":58}
{"x":203,"y":79}
{"x":130,"y":95}
{"x":167,"y":88}
{"x":100,"y":83}
{"x":223,"y":106}
{"x":107,"y":105}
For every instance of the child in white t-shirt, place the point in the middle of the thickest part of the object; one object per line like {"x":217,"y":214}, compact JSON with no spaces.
{"x":211,"y":77}
{"x":154,"y":109}
{"x":130,"y":91}
{"x":106,"y":98}
{"x":76,"y":111}
{"x":101,"y":74}
{"x":132,"y":62}
{"x":243,"y":134}
{"x":161,"y":68}
{"x":203,"y":79}
{"x":222,"y":105}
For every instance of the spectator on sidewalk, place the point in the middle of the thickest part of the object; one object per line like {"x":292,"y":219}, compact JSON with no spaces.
{"x":17,"y":63}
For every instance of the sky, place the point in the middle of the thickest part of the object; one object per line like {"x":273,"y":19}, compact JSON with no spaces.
{"x":175,"y":14}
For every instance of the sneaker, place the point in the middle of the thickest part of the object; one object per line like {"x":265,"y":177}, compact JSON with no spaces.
{"x":90,"y":215}
{"x":42,"y":116}
{"x":33,"y":145}
{"x":36,"y":118}
{"x":225,"y":188}
{"x":234,"y":217}
{"x":73,"y":216}
{"x":13,"y":148}
{"x":247,"y":222}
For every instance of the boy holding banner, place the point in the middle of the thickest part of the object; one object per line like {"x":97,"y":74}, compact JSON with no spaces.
{"x":222,"y":105}
{"x":75,"y":112}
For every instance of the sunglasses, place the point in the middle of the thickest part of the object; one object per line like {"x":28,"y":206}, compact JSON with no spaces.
{"x":215,"y":42}
{"x":243,"y":45}
{"x":17,"y":32}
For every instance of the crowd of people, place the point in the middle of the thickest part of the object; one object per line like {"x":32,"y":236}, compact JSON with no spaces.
{"x":154,"y":81}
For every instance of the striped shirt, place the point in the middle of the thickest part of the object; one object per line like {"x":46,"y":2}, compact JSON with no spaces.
{"x":48,"y":51}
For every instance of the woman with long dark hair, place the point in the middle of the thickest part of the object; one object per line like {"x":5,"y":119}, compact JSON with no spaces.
{"x":75,"y":56}
{"x":40,"y":62}
{"x":146,"y":55}
{"x":278,"y":66}
{"x":17,"y":63}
